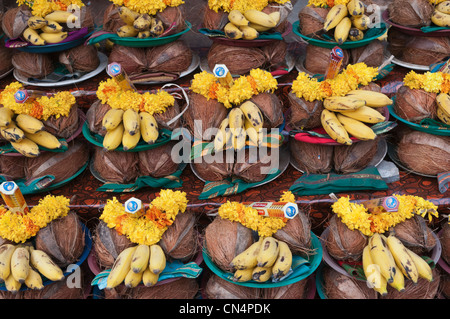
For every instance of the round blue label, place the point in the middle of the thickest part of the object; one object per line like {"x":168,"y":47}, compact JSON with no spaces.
{"x":290,"y":211}
{"x":8,"y":186}
{"x":220,"y":71}
{"x":391,"y":202}
{"x":132,"y":206}
{"x":20,"y":96}
{"x":114,"y":68}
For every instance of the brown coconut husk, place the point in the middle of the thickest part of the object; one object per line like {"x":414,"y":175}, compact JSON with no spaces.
{"x":86,"y":19}
{"x":218,"y":288}
{"x":14,"y":21}
{"x":444,"y":238}
{"x":32,"y":65}
{"x":275,"y":53}
{"x":83,"y":58}
{"x":317,"y":59}
{"x":354,"y":158}
{"x":108,"y":243}
{"x":163,"y":118}
{"x":252,"y":167}
{"x":304,"y":115}
{"x":239,"y":60}
{"x":5,"y":59}
{"x":63,"y":126}
{"x":214,"y":20}
{"x":371,"y":54}
{"x":181,"y":239}
{"x":312,"y":158}
{"x":411,"y":13}
{"x":424,"y":153}
{"x":415,"y":234}
{"x":271,"y":108}
{"x":57,"y":290}
{"x":415,"y":105}
{"x":172,"y":57}
{"x":54,"y":163}
{"x":224,"y":240}
{"x":173,"y":15}
{"x":421,"y":290}
{"x":372,"y":86}
{"x":62,"y":239}
{"x":343,"y":243}
{"x":340,"y":286}
{"x":297,"y":235}
{"x":426,"y":50}
{"x":94,"y":117}
{"x":116,"y":167}
{"x":157,"y":162}
{"x":297,"y":290}
{"x":311,"y":20}
{"x":209,"y":113}
{"x":133,"y":60}
{"x":396,"y":42}
{"x":12,"y":167}
{"x":210,"y":169}
{"x":111,"y":19}
{"x":445,"y":285}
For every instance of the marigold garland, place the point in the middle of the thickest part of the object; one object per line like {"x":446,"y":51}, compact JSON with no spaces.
{"x":109,"y":92}
{"x":438,"y":82}
{"x":42,"y":108}
{"x":243,"y":88}
{"x":150,"y":7}
{"x":41,"y":8}
{"x":326,"y":3}
{"x":17,"y":228}
{"x":146,"y":228}
{"x":241,"y":5}
{"x":357,"y":217}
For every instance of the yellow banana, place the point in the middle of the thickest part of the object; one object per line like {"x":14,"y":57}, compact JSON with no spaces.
{"x":131,"y":121}
{"x":6,"y":252}
{"x":402,"y":258}
{"x":247,"y":258}
{"x":443,"y":116}
{"x":33,"y":37}
{"x":334,"y":16}
{"x":149,"y":127}
{"x":156,"y":27}
{"x":34,"y":280}
{"x":259,"y":27}
{"x":239,"y":139}
{"x":36,"y":23}
{"x":45,"y":265}
{"x":342,"y":103}
{"x":232,"y":31}
{"x":243,"y":275}
{"x":283,"y":263}
{"x":45,"y":139}
{"x":133,"y":279}
{"x":157,"y":261}
{"x":52,"y":27}
{"x":268,"y":252}
{"x":443,"y":102}
{"x":399,"y":280}
{"x":144,"y":34}
{"x":440,"y":19}
{"x":112,"y":119}
{"x":253,"y":114}
{"x":382,"y":257}
{"x":237,"y":18}
{"x":127,"y":15}
{"x":444,"y":7}
{"x":365,"y":114}
{"x":126,"y":31}
{"x":61,"y":16}
{"x":130,"y":141}
{"x":143,"y":22}
{"x":249,"y":33}
{"x":12,"y":133}
{"x":236,"y":120}
{"x":149,"y":278}
{"x":355,"y":34}
{"x":26,"y":147}
{"x":53,"y":37}
{"x":6,"y":115}
{"x":261,"y":274}
{"x":361,"y":22}
{"x":222,"y":135}
{"x":259,"y":17}
{"x":140,"y":259}
{"x":355,"y":7}
{"x":372,"y":272}
{"x":422,"y":266}
{"x":356,"y":128}
{"x":371,"y":98}
{"x":29,"y":124}
{"x":334,"y":128}
{"x":12,"y":285}
{"x":113,"y":138}
{"x":341,"y":32}
{"x":120,"y":267}
{"x":251,"y":132}
{"x":20,"y":264}
{"x":276,"y":16}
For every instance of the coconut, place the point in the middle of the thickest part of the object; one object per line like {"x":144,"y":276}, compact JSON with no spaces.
{"x":421,"y":290}
{"x":415,"y":235}
{"x":297,"y":290}
{"x":317,"y":59}
{"x":116,"y":167}
{"x":239,"y":60}
{"x":304,"y":115}
{"x":411,"y":13}
{"x":133,"y":60}
{"x":415,"y":105}
{"x":172,"y":16}
{"x":213,"y":20}
{"x":396,"y":42}
{"x":157,"y":162}
{"x":224,"y":240}
{"x":94,"y":117}
{"x":175,"y":56}
{"x":111,"y":19}
{"x":311,"y":20}
{"x":215,"y":167}
{"x":372,"y":86}
{"x":312,"y":158}
{"x":12,"y":167}
{"x":445,"y":285}
{"x":297,"y":235}
{"x":218,"y":288}
{"x":424,"y":153}
{"x":163,"y":118}
{"x":254,"y":166}
{"x":82,"y":58}
{"x":371,"y":54}
{"x":32,"y":65}
{"x":57,"y":290}
{"x":275,"y":53}
{"x":63,"y":126}
{"x":271,"y":107}
{"x":62,"y":239}
{"x":5,"y":59}
{"x":108,"y":244}
{"x":14,"y":21}
{"x":444,"y":238}
{"x":343,"y":243}
{"x":426,"y":50}
{"x":340,"y":286}
{"x":354,"y":158}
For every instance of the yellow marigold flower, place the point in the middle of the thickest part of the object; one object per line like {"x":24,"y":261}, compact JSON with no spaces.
{"x":241,"y":5}
{"x":287,"y":196}
{"x":148,"y":6}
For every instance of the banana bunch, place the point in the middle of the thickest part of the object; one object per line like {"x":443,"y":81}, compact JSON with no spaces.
{"x":247,"y":25}
{"x":267,"y":258}
{"x":348,"y":21}
{"x":351,"y":115}
{"x":141,"y":263}
{"x":23,"y":264}
{"x":245,"y":121}
{"x":443,"y":109}
{"x":387,"y":261}
{"x":26,"y":133}
{"x":127,"y":128}
{"x":139,"y":25}
{"x":48,"y":29}
{"x":441,"y":14}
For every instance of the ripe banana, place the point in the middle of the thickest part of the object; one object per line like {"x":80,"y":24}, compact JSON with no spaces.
{"x":45,"y":139}
{"x":156,"y":27}
{"x":355,"y":8}
{"x":112,"y":119}
{"x":371,"y":98}
{"x":52,"y":27}
{"x":276,"y":16}
{"x":126,"y":31}
{"x":356,"y":128}
{"x":120,"y":267}
{"x":130,"y":141}
{"x":140,"y":259}
{"x":444,"y":7}
{"x":365,"y":114}
{"x":6,"y":252}
{"x":342,"y":30}
{"x":237,"y":18}
{"x":236,"y":120}
{"x":34,"y":280}
{"x":261,"y":274}
{"x":12,"y":133}
{"x":127,"y":15}
{"x":247,"y":258}
{"x":149,"y":127}
{"x":61,"y":16}
{"x":259,"y":17}
{"x":149,"y":278}
{"x":251,"y":132}
{"x":26,"y":147}
{"x":29,"y":124}
{"x":443,"y":102}
{"x":243,"y":275}
{"x":372,"y":272}
{"x":342,"y":103}
{"x":36,"y":23}
{"x":355,"y":34}
{"x":232,"y":31}
{"x":440,"y":19}
{"x":33,"y":37}
{"x":143,"y":22}
{"x":402,"y":258}
{"x":157,"y":261}
{"x":440,"y":113}
{"x":259,"y":27}
{"x":20,"y":264}
{"x":334,"y":16}
{"x":133,"y":279}
{"x":361,"y":22}
{"x":131,"y":121}
{"x":45,"y":265}
{"x":283,"y":263}
{"x":253,"y":114}
{"x":382,"y":257}
{"x":239,"y":140}
{"x":12,"y":285}
{"x":113,"y":138}
{"x":53,"y":37}
{"x":222,"y":135}
{"x":399,"y":280}
{"x":268,"y":252}
{"x":334,"y":128}
{"x":144,"y":34}
{"x":422,"y":266}
{"x":6,"y":115}
{"x":249,"y":33}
